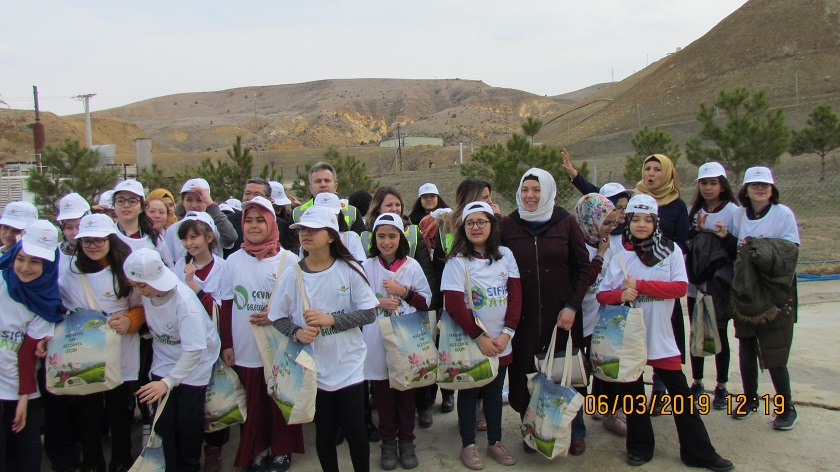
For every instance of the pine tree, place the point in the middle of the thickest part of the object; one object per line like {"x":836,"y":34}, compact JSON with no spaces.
{"x":820,"y":137}
{"x":647,"y":142}
{"x":531,"y":126}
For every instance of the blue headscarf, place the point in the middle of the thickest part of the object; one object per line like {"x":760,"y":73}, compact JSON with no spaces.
{"x":41,"y":295}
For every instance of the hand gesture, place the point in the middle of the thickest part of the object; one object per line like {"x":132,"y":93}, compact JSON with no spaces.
{"x":152,"y":391}
{"x":701,"y":221}
{"x":390,"y":304}
{"x":501,"y":342}
{"x":189,"y":272}
{"x":629,"y":295}
{"x":629,"y":282}
{"x":393,"y":288}
{"x":260,"y":319}
{"x":567,"y":164}
{"x":315,"y":317}
{"x":203,"y":194}
{"x":120,"y":324}
{"x":720,"y":229}
{"x":603,"y":245}
{"x":488,"y":348}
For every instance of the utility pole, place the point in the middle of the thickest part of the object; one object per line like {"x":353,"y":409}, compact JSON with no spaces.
{"x":86,"y":100}
{"x":399,"y":148}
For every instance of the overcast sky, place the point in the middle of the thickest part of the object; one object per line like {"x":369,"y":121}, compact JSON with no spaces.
{"x":128,"y":53}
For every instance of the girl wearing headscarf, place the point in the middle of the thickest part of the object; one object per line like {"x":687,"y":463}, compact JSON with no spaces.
{"x":597,"y":218}
{"x":550,"y":250}
{"x":660,"y":181}
{"x":31,"y":306}
{"x":655,"y":279}
{"x":169,"y":200}
{"x":248,"y":277}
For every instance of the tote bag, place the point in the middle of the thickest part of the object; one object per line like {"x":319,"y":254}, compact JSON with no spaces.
{"x":225,"y":398}
{"x":619,"y":343}
{"x":151,"y":458}
{"x":410,"y":351}
{"x":547,"y":424}
{"x":704,"y":337}
{"x":580,"y":372}
{"x":85,"y":353}
{"x":461,"y":364}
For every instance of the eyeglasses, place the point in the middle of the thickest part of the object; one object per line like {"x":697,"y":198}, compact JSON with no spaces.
{"x":480,"y":224}
{"x":87,"y":242}
{"x":759,"y":185}
{"x":611,"y":224}
{"x":305,"y":230}
{"x":131,"y":201}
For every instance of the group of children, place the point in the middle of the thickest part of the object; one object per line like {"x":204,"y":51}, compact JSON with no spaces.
{"x":152,"y":275}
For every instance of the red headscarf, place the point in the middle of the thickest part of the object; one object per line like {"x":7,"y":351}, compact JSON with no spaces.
{"x":271,"y":244}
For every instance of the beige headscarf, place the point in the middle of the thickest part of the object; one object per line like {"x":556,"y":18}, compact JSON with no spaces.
{"x":669,"y":190}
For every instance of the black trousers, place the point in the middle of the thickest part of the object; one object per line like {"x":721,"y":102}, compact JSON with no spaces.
{"x":20,"y":452}
{"x":344,"y":406}
{"x":181,"y":427}
{"x":695,"y":445}
{"x":61,"y":428}
{"x":748,"y":359}
{"x":114,"y":407}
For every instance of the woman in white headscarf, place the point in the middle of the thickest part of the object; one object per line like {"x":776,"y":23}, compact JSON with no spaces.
{"x":550,"y":250}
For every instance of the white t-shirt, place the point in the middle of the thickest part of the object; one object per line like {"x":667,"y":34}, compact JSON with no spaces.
{"x":660,"y":334}
{"x":590,"y":305}
{"x":16,"y":322}
{"x":489,"y":287}
{"x":182,"y":325}
{"x":412,"y":277}
{"x":210,"y":285}
{"x":779,"y":222}
{"x":339,"y":355}
{"x":249,"y":283}
{"x":173,"y":243}
{"x":146,"y":242}
{"x":728,"y":215}
{"x":64,"y":261}
{"x":102,"y":283}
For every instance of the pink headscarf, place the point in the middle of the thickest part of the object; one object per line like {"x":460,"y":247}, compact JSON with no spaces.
{"x":271,"y":244}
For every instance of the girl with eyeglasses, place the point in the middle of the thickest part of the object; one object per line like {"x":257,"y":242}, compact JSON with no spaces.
{"x":497,"y":298}
{"x":99,"y":258}
{"x":134,"y":226}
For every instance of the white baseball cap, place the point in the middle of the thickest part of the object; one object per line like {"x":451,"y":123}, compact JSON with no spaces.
{"x":475,"y":207}
{"x":392,"y":219}
{"x":107,"y":199}
{"x":428,"y":188}
{"x":225,"y":208}
{"x":98,"y":225}
{"x":261,"y":201}
{"x":278,"y":193}
{"x":131,"y":186}
{"x":40,"y":239}
{"x":72,"y":206}
{"x":328,"y":200}
{"x":709,"y":170}
{"x":234,"y":203}
{"x":317,"y":217}
{"x":145,"y":266}
{"x":18,"y":215}
{"x":612,"y":189}
{"x":191,"y":184}
{"x":203,"y":216}
{"x":758,"y":174}
{"x":642,"y":203}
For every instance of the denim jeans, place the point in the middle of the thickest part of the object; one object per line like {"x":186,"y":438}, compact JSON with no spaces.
{"x":492,"y":395}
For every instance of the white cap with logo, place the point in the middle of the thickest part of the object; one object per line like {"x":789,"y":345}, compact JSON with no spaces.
{"x":475,"y":207}
{"x":392,"y":219}
{"x":328,"y":200}
{"x":145,"y":266}
{"x":234,"y":203}
{"x":202,"y":216}
{"x":428,"y":188}
{"x":612,"y":189}
{"x":40,"y":239}
{"x":317,"y":217}
{"x":106,"y":199}
{"x":72,"y":206}
{"x":758,"y":174}
{"x":261,"y":201}
{"x":709,"y":170}
{"x":18,"y":215}
{"x":98,"y":225}
{"x":642,"y":203}
{"x":192,"y":184}
{"x":278,"y":193}
{"x":131,"y":186}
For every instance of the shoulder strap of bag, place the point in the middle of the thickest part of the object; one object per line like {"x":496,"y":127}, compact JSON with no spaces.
{"x":395,"y":278}
{"x":303,"y":298}
{"x":89,"y":293}
{"x":280,"y":266}
{"x":158,"y":412}
{"x":621,"y":262}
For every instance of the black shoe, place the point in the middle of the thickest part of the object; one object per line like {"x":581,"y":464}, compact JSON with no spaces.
{"x":635,"y":460}
{"x":258,"y":464}
{"x":742,"y":412}
{"x":719,"y":464}
{"x":786,"y":420}
{"x":425,"y":417}
{"x":280,"y":463}
{"x":448,"y":403}
{"x":388,"y":459}
{"x":339,"y":435}
{"x":372,"y":431}
{"x":719,"y":402}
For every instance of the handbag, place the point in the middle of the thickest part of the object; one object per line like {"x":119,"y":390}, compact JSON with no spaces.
{"x":151,"y":458}
{"x":547,"y":423}
{"x":619,"y":343}
{"x":704,"y":337}
{"x":579,"y":364}
{"x":461,"y":364}
{"x":84,"y":356}
{"x":225,"y":398}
